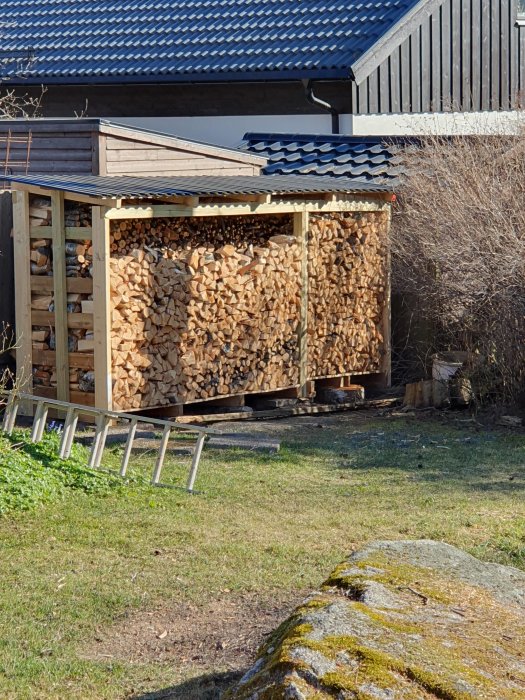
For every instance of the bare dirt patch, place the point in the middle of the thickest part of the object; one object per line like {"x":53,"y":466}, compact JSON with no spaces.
{"x":222,"y":634}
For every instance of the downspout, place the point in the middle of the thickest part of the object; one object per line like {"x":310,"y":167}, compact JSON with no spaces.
{"x":312,"y":99}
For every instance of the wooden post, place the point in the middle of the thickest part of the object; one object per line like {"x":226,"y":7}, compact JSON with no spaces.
{"x":386,"y":362}
{"x":22,"y":243}
{"x":102,"y":309}
{"x":58,"y":233}
{"x":300,"y":227}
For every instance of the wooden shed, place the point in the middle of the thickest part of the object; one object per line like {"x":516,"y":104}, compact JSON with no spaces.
{"x":103,"y":147}
{"x":140,"y":293}
{"x":98,"y":147}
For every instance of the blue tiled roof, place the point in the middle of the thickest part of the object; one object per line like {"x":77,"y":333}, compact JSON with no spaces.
{"x":364,"y":158}
{"x":119,"y":40}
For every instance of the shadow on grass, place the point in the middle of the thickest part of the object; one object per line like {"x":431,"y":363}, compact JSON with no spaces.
{"x":207,"y":687}
{"x":434,"y":454}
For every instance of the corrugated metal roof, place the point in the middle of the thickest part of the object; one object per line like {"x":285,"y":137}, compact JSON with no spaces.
{"x":364,"y":158}
{"x":151,"y":187}
{"x":117,"y":40}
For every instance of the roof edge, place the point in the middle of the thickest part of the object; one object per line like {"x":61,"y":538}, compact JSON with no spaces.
{"x":391,"y":39}
{"x":184,"y":78}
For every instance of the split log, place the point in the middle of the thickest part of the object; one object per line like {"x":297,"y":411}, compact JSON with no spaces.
{"x":347,"y":293}
{"x":203,"y":308}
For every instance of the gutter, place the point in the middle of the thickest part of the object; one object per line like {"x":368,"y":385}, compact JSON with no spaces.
{"x":314,"y":100}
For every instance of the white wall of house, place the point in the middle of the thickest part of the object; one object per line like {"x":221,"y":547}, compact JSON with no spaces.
{"x":228,"y":131}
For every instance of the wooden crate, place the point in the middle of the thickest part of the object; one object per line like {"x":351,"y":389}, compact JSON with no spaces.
{"x":187,"y":301}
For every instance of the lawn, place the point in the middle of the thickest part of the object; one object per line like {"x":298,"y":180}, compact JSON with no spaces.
{"x":82,"y":567}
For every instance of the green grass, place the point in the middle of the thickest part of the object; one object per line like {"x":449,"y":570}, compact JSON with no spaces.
{"x":89,"y":550}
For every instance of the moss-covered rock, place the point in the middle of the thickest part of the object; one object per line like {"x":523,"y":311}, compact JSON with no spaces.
{"x":400,"y":620}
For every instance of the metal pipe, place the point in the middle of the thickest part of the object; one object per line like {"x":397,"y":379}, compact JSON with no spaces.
{"x":314,"y":100}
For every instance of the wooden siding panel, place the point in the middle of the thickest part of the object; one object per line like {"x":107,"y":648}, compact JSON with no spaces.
{"x":485,"y":53}
{"x":178,"y":168}
{"x":475,"y":58}
{"x":456,"y":50}
{"x":468,"y":56}
{"x":415,"y":71}
{"x":425,"y":67}
{"x":373,"y":94}
{"x":446,"y":56}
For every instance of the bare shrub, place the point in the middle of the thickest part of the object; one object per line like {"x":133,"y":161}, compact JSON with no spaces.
{"x":458,"y":246}
{"x":15,"y":105}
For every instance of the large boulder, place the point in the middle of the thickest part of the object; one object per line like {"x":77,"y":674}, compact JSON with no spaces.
{"x":400,"y":620}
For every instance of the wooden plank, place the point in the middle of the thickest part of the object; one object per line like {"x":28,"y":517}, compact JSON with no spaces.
{"x":79,"y":397}
{"x":192,"y":147}
{"x":300,"y":410}
{"x":300,"y":228}
{"x":21,"y":242}
{"x":73,"y":233}
{"x":475,"y":55}
{"x":435,"y":27}
{"x":381,"y":203}
{"x":459,"y":53}
{"x":425,"y":50}
{"x":102,"y":306}
{"x":74,"y":285}
{"x":47,"y":318}
{"x":139,"y":152}
{"x":415,"y":70}
{"x":504,"y":67}
{"x":77,"y":360}
{"x":180,"y":167}
{"x":495,"y":57}
{"x":446,"y":62}
{"x":485,"y":54}
{"x":386,"y":359}
{"x":467,"y":58}
{"x":70,"y":196}
{"x":102,"y":155}
{"x":60,"y":295}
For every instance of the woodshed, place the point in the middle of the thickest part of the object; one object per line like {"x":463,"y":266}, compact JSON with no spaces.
{"x":141,"y":293}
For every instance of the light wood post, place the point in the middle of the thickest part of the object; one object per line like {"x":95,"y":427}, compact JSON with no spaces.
{"x":102,"y":309}
{"x":300,"y":227}
{"x":60,"y":295}
{"x":386,"y":360}
{"x":22,"y":244}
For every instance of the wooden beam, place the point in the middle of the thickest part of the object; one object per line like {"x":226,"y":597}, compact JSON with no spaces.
{"x":75,"y":233}
{"x":386,"y":360}
{"x":102,"y":307}
{"x":300,"y":227}
{"x":47,"y":318}
{"x":60,"y":294}
{"x":21,"y":243}
{"x":74,"y":285}
{"x":70,"y":196}
{"x":234,"y":209}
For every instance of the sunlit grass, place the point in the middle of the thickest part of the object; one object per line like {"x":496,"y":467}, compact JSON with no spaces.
{"x":73,"y":565}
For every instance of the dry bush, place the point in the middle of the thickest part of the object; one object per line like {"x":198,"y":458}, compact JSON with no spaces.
{"x":15,"y":105}
{"x":459,"y":253}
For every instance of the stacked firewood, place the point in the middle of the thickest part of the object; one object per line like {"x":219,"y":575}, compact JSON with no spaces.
{"x":78,"y":264}
{"x":203,"y":308}
{"x":347,"y":293}
{"x":128,"y":235}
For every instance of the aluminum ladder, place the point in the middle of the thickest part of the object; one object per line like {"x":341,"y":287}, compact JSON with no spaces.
{"x":103,"y":420}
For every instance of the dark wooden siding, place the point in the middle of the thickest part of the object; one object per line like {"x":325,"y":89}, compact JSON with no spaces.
{"x":468,"y":56}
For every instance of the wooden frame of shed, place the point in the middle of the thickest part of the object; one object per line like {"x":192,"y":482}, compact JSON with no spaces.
{"x":104,"y":211}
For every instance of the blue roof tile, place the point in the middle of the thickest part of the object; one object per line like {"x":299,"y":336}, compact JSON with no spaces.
{"x":360,"y":157}
{"x":118,"y":40}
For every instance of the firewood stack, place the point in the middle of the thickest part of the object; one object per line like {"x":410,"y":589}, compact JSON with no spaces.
{"x":347,"y":290}
{"x":203,"y":308}
{"x":78,"y":264}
